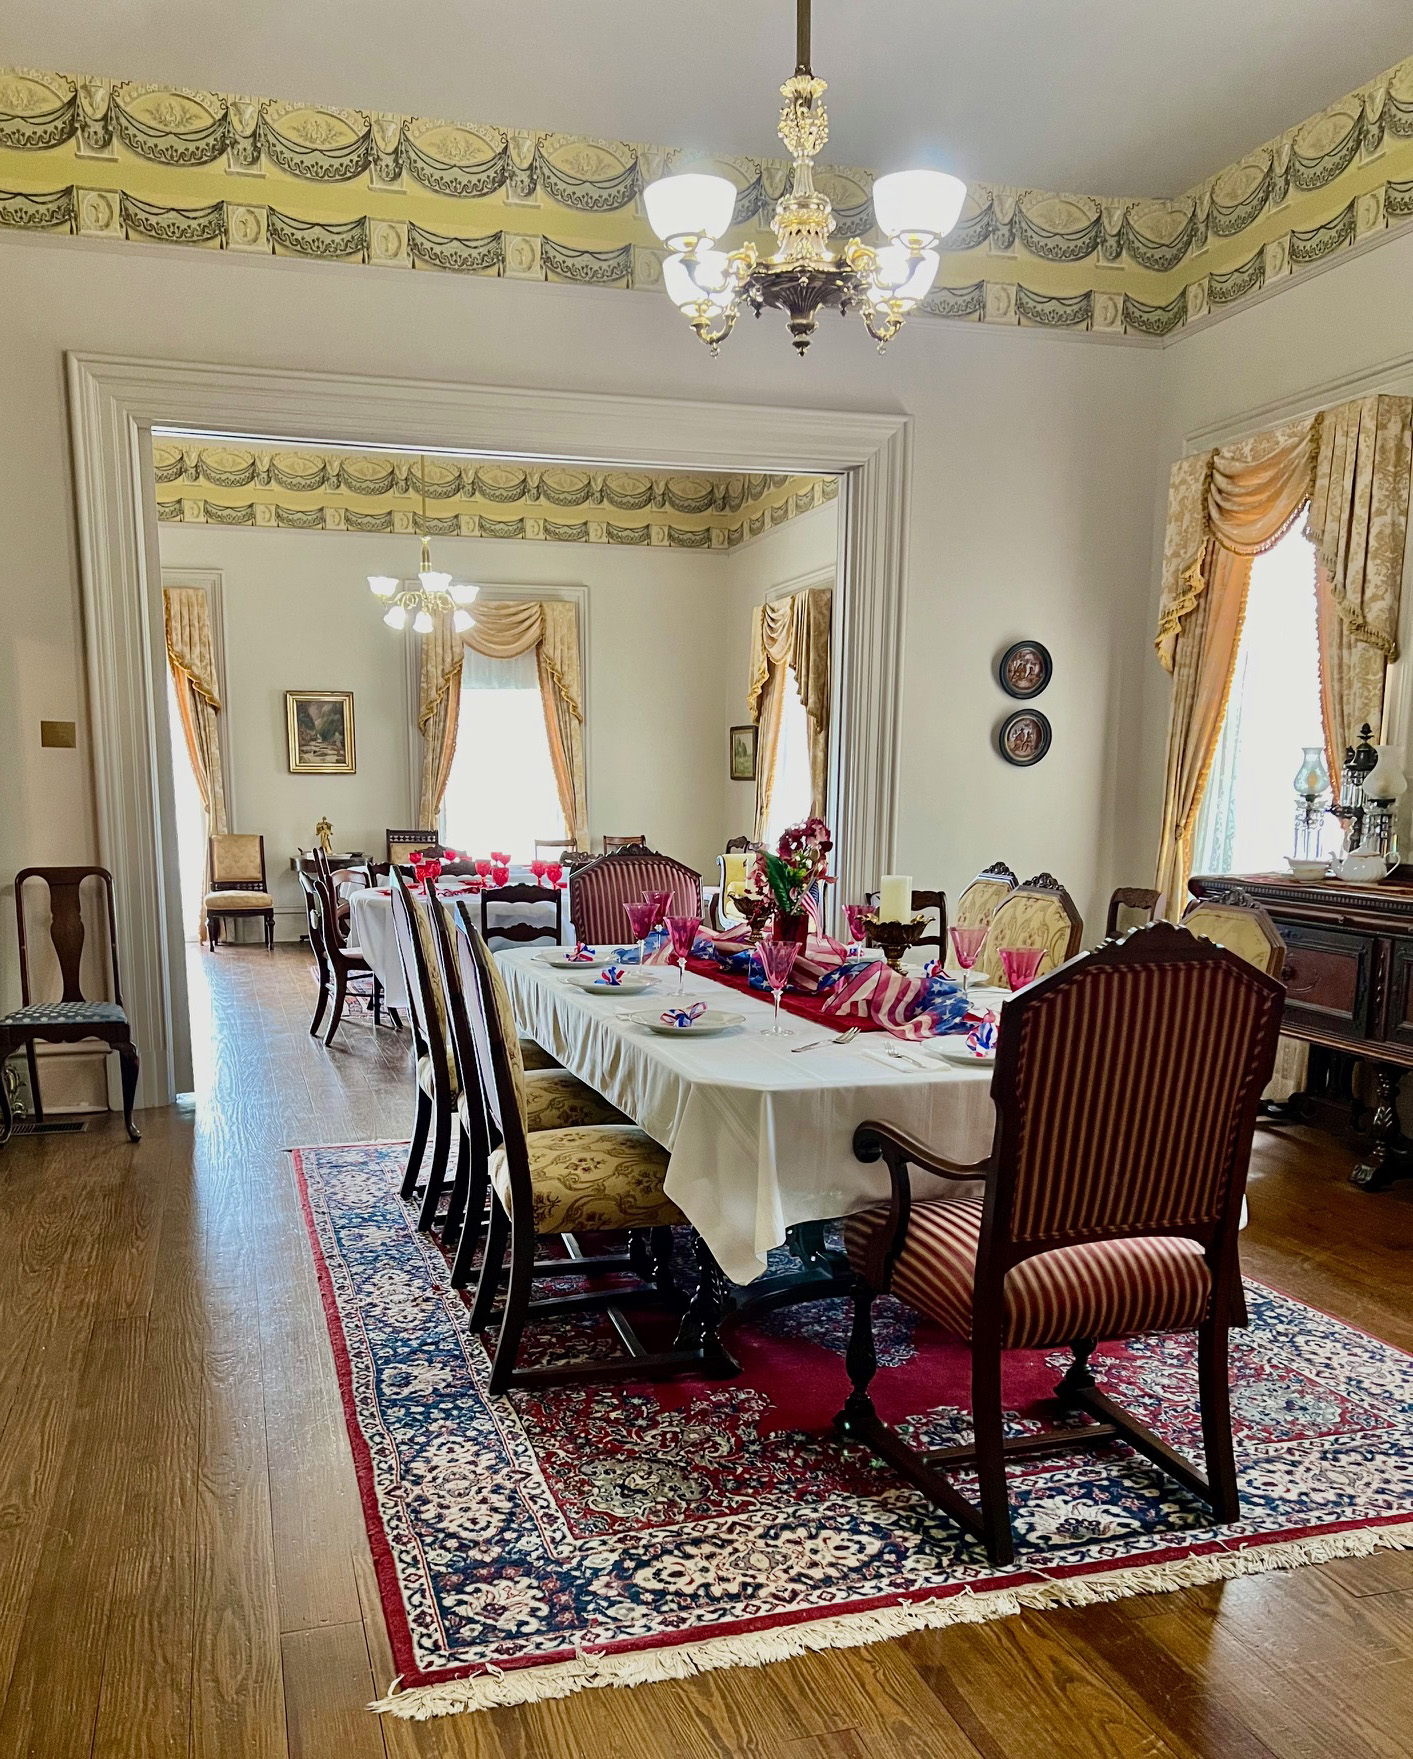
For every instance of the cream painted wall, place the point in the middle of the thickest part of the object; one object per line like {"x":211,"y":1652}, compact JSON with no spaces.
{"x":791,"y":553}
{"x":1294,"y":351}
{"x":298,"y":614}
{"x":1033,"y":464}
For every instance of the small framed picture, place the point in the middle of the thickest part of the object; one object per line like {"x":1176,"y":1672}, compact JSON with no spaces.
{"x":1025,"y":669}
{"x":320,"y":730}
{"x":1024,"y":737}
{"x":743,"y":753}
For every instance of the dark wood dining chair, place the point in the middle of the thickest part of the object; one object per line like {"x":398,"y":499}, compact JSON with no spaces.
{"x":73,"y":1018}
{"x":1131,"y":907}
{"x":1090,"y":1229}
{"x":433,"y":1070}
{"x":239,"y":887}
{"x":923,"y":902}
{"x":521,"y":930}
{"x":600,"y":888}
{"x":555,"y":848}
{"x":605,"y":1178}
{"x":343,"y":968}
{"x":612,"y":843}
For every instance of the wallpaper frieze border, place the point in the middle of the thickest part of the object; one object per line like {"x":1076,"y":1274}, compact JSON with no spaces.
{"x":85,"y":155}
{"x":202,"y":480}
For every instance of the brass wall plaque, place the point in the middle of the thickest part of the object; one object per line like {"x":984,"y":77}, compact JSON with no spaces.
{"x":63,"y":733}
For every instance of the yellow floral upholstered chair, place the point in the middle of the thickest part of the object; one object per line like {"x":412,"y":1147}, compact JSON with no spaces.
{"x":238,"y":885}
{"x":978,"y":903}
{"x":1040,"y":913}
{"x":1236,"y":922}
{"x":591,"y":1177}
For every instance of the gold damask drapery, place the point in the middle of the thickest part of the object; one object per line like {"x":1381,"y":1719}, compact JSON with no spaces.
{"x":1358,"y":524}
{"x":1224,"y":508}
{"x":191,"y":654}
{"x":791,"y":635}
{"x":504,"y":629}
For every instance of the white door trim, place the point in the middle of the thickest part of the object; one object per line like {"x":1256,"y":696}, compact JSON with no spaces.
{"x":115,"y":402}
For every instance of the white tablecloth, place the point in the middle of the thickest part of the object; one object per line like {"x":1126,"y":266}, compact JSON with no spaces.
{"x":761,"y":1138}
{"x":372,"y":925}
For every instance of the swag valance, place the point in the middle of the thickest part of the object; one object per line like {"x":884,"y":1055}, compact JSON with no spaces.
{"x":503,"y":630}
{"x":790,"y":635}
{"x":1348,"y":470}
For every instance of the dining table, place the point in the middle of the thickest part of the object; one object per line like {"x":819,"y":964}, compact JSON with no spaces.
{"x":372,"y":930}
{"x":759,"y":1127}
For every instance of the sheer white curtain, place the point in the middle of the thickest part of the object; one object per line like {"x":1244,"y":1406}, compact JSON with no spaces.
{"x":501,"y":793}
{"x":1246,"y":823}
{"x":791,"y":795}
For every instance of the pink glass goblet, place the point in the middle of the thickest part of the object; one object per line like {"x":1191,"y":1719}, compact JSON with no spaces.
{"x":777,"y":960}
{"x":1020,"y":965}
{"x":640,"y":923}
{"x":856,"y":918}
{"x":682,"y":932}
{"x":659,"y":902}
{"x":966,"y":942}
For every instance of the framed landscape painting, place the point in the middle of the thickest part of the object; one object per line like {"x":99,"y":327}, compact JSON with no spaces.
{"x":320,"y":729}
{"x":743,"y":754}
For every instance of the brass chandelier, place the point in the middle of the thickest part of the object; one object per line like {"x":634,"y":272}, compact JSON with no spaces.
{"x":433,"y":593}
{"x":691,"y":210}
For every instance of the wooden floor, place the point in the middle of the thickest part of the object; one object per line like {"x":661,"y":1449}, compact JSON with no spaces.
{"x":183,"y":1568}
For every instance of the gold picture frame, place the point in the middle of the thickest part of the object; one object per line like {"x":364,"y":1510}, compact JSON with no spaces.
{"x":319,"y":728}
{"x":743,"y":753}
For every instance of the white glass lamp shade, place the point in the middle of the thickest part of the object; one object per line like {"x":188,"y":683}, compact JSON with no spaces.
{"x":383,"y":584}
{"x":1386,"y":781}
{"x":901,"y":277}
{"x":433,"y":580}
{"x":422,"y":623}
{"x":1313,"y":776}
{"x":461,"y":621}
{"x":396,"y":618}
{"x":691,"y":205}
{"x":918,"y":206}
{"x":463,"y":593}
{"x":702,"y":281}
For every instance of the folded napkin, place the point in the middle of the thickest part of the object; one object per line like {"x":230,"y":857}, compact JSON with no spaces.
{"x":583,"y":954}
{"x":611,"y":976}
{"x":683,"y":1017}
{"x":981,"y":1039}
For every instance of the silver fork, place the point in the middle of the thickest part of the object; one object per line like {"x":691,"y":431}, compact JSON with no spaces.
{"x":845,"y":1037}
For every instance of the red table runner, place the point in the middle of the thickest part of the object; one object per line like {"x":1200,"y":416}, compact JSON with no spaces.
{"x":808,"y":1007}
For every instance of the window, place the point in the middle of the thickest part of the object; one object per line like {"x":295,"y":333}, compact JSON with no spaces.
{"x":791,"y":795}
{"x":1246,"y":823}
{"x":501,"y":793}
{"x":191,"y":820}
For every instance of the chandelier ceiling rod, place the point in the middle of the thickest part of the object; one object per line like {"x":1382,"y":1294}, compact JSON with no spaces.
{"x":689,"y":211}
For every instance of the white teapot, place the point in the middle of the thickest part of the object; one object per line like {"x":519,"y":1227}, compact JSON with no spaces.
{"x":1363,"y":867}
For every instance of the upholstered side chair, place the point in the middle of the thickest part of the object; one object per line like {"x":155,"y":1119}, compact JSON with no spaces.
{"x":1090,"y":1228}
{"x":600,"y":888}
{"x":238,"y":886}
{"x":1239,"y":923}
{"x":1040,"y":913}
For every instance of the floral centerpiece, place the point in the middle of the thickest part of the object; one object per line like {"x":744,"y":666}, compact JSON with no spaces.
{"x":785,"y":882}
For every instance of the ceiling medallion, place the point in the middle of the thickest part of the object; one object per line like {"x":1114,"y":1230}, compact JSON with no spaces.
{"x":690,"y":211}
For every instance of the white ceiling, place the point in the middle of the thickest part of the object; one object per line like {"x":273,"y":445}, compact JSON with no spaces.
{"x":1117,"y":97}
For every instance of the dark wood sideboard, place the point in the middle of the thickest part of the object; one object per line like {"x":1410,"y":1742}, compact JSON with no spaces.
{"x":1349,"y":984}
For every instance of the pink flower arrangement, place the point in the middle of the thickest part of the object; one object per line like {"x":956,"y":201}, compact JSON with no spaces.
{"x":801,"y":862}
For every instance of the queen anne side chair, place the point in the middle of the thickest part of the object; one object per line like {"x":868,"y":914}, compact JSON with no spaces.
{"x":72,"y":1019}
{"x":1099,"y":1221}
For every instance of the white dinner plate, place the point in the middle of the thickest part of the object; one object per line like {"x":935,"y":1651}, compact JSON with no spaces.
{"x":956,"y":1050}
{"x":714,"y":1020}
{"x":633,"y":983}
{"x":561,"y":960}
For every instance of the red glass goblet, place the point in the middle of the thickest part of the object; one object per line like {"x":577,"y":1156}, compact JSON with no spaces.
{"x":641,"y":918}
{"x":682,"y":932}
{"x":777,"y":960}
{"x":967,"y":944}
{"x":659,"y":902}
{"x":1020,"y":965}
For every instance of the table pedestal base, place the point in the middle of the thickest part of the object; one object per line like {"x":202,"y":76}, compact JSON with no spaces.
{"x":819,"y":1274}
{"x":1391,"y":1155}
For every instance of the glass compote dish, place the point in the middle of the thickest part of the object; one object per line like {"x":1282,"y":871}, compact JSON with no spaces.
{"x":777,"y":961}
{"x":1020,"y":965}
{"x":682,"y":932}
{"x":641,"y":917}
{"x":967,"y":943}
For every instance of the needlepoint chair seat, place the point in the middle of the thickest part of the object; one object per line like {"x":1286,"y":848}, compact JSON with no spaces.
{"x":1103,"y":1288}
{"x":590,"y":1181}
{"x":66,"y":1014}
{"x":239,"y":901}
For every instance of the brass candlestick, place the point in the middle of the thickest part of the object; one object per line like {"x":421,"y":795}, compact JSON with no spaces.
{"x":894,"y":937}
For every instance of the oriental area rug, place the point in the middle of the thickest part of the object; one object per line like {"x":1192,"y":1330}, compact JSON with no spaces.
{"x":536,"y":1544}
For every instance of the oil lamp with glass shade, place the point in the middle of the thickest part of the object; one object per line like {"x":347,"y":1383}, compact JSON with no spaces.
{"x":1312,"y":801}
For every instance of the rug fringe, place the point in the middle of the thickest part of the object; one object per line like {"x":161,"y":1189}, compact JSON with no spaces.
{"x":528,"y":1685}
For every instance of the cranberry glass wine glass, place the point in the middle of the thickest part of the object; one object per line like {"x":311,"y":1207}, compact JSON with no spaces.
{"x":777,"y":960}
{"x":660,"y":902}
{"x":966,"y":942}
{"x":1020,"y":964}
{"x":682,"y":932}
{"x":640,"y":922}
{"x":856,"y":920}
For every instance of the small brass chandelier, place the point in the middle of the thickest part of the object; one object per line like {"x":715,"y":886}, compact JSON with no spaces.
{"x":435,"y":591}
{"x":690,"y":211}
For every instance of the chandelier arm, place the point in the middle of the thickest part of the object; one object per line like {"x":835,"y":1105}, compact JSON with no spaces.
{"x":802,"y":37}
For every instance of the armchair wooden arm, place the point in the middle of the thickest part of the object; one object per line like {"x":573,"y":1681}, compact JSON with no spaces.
{"x":878,"y":1141}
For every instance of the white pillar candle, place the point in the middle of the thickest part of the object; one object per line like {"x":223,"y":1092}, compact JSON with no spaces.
{"x":895,"y":897}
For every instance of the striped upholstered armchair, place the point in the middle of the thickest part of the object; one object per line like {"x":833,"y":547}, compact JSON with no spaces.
{"x":600,"y":888}
{"x":1126,"y":1087}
